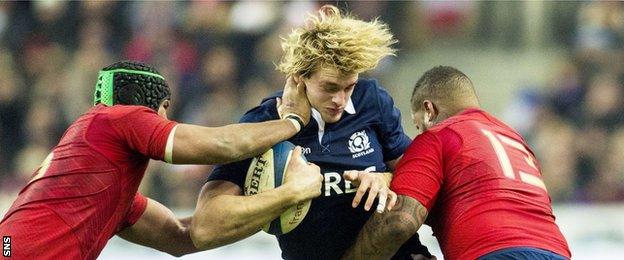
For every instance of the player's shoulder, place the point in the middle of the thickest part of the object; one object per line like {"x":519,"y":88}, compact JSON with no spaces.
{"x":461,"y":124}
{"x":470,"y":121}
{"x":266,"y":110}
{"x":458,"y":120}
{"x":368,"y":87}
{"x":368,"y":83}
{"x":369,"y":94}
{"x":121,"y":111}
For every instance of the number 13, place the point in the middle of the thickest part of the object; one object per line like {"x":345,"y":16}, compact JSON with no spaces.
{"x":505,"y":163}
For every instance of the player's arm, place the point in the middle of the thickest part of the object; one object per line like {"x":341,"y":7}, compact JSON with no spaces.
{"x":191,"y":144}
{"x":158,"y":228}
{"x":384,"y":234}
{"x":194,"y":144}
{"x":223,"y":215}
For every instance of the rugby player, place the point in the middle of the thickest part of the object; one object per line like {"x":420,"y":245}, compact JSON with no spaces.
{"x":86,"y":189}
{"x":469,"y":176}
{"x":356,"y":130}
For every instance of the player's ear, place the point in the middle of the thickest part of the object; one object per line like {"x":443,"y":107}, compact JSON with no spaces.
{"x":164,"y":106}
{"x":431,"y":112}
{"x":297,"y":77}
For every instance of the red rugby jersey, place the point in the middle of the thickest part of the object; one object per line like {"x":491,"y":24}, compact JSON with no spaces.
{"x":482,"y":187}
{"x":86,"y":190}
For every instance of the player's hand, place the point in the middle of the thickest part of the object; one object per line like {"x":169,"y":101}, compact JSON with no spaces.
{"x":294,"y":100}
{"x":377,"y":185}
{"x":304,"y":179}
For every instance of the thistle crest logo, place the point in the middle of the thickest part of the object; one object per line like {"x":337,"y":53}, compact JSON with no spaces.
{"x":359,"y":142}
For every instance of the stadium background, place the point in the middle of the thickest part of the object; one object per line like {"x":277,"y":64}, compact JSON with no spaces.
{"x":552,"y":70}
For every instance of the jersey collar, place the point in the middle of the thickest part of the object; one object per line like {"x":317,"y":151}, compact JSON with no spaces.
{"x":349,"y":108}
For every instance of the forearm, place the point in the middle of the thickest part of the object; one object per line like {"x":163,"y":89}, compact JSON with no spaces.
{"x":224,"y":219}
{"x":179,"y":243}
{"x":158,"y":228}
{"x":194,"y":144}
{"x":251,"y":139}
{"x":384,"y":234}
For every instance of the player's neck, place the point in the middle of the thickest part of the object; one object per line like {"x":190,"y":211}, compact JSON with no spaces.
{"x":443,"y":114}
{"x":441,"y":117}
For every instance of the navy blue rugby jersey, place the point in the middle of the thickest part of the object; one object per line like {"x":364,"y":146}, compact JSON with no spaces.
{"x":368,"y":134}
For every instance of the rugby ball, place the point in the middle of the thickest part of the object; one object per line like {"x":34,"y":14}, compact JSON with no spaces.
{"x":266,"y":172}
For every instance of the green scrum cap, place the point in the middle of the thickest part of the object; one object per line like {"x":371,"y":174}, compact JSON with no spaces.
{"x":104,"y":87}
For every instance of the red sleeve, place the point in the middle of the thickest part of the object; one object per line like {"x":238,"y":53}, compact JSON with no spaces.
{"x":419,"y":172}
{"x":136,"y":210}
{"x":144,"y":131}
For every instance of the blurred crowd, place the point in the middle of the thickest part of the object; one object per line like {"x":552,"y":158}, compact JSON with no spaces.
{"x":219,"y":57}
{"x":575,"y":122}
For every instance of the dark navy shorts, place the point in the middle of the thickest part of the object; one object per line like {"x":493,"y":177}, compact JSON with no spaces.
{"x":522,"y":253}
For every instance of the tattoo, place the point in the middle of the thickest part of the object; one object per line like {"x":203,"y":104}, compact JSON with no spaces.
{"x":384,"y":233}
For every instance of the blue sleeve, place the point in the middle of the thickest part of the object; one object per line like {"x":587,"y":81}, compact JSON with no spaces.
{"x":393,"y":139}
{"x":235,"y":172}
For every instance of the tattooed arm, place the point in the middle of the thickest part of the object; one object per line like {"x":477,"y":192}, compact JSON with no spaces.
{"x":384,"y":233}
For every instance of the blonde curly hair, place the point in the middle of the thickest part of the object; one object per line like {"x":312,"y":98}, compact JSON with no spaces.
{"x":329,"y":39}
